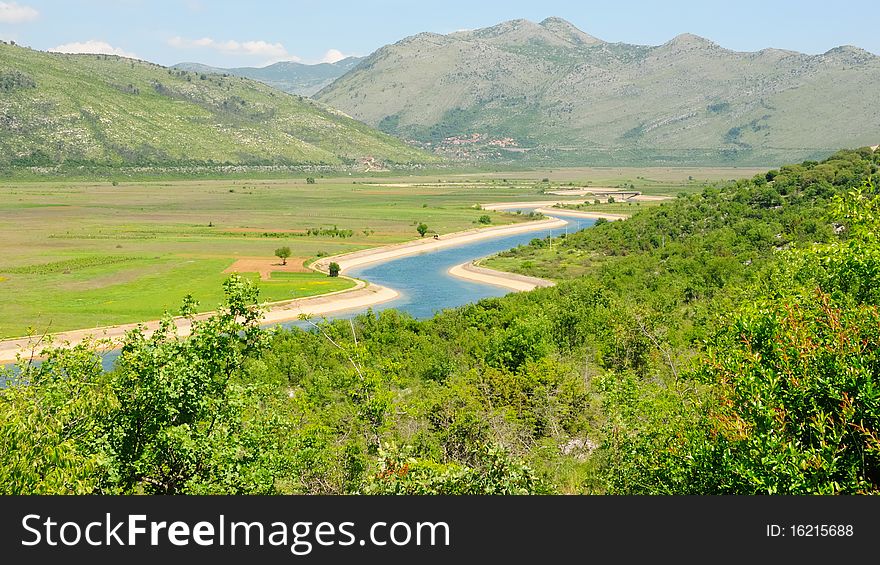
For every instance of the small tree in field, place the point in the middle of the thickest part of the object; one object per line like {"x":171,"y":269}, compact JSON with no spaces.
{"x":333,"y":269}
{"x":422,"y":229}
{"x":283,"y":253}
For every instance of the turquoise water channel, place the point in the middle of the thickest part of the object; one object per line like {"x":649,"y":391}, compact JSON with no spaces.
{"x":426,"y":287}
{"x":423,"y":282}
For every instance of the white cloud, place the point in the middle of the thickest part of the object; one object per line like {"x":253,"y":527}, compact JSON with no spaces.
{"x":92,"y":46}
{"x":268,"y":52}
{"x":264,"y":49}
{"x":13,"y":13}
{"x":333,"y":55}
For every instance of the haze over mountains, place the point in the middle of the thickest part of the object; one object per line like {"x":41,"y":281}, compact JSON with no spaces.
{"x":548,"y":92}
{"x":107,"y":110}
{"x":295,"y":78}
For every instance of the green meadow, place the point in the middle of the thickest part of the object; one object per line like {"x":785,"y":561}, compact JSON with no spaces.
{"x":85,"y":254}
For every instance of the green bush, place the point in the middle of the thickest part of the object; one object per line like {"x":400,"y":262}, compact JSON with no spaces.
{"x":497,"y":474}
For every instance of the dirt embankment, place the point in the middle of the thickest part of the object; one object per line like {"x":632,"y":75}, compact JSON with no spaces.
{"x":519,"y":283}
{"x":388,"y":252}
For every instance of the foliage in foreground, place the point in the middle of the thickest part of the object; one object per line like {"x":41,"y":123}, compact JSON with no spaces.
{"x":723,"y":343}
{"x":172,"y":417}
{"x":792,"y":385}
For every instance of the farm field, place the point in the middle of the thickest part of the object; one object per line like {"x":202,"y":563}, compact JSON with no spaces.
{"x":85,"y":254}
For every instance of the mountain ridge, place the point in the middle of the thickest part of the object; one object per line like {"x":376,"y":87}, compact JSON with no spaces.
{"x":110,"y":111}
{"x":287,"y":76}
{"x":521,"y":90}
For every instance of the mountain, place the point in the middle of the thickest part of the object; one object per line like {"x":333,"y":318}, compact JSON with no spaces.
{"x":295,"y":78}
{"x":108,"y":110}
{"x":548,"y":92}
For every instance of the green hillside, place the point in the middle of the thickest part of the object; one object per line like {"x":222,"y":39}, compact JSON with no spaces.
{"x":550,"y":93}
{"x":110,"y":111}
{"x":289,"y":76}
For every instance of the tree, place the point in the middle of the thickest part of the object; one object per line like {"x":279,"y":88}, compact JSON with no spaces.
{"x":789,"y":380}
{"x":334,"y":269}
{"x":184,"y":418}
{"x":177,"y":415}
{"x":495,"y":473}
{"x":422,"y":229}
{"x":310,"y":180}
{"x":485,"y":219}
{"x":522,"y":340}
{"x":49,"y":427}
{"x":798,"y":398}
{"x":283,"y":253}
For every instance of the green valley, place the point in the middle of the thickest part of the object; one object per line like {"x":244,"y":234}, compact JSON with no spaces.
{"x":505,"y":260}
{"x":720,"y":343}
{"x":86,"y":254}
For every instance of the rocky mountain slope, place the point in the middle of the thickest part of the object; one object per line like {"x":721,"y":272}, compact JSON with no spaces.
{"x":110,"y":111}
{"x":548,"y":92}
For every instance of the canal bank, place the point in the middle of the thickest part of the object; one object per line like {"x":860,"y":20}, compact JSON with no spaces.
{"x":418,"y":278}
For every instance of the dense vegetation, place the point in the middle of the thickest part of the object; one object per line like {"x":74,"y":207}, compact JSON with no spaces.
{"x":725,"y":342}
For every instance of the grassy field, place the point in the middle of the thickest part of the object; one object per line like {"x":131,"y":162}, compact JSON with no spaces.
{"x":85,"y":254}
{"x":650,"y":180}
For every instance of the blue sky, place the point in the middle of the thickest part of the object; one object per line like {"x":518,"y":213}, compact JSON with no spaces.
{"x":255,"y":32}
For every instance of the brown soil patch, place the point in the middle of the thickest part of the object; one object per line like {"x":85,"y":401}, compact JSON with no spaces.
{"x":266,"y":266}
